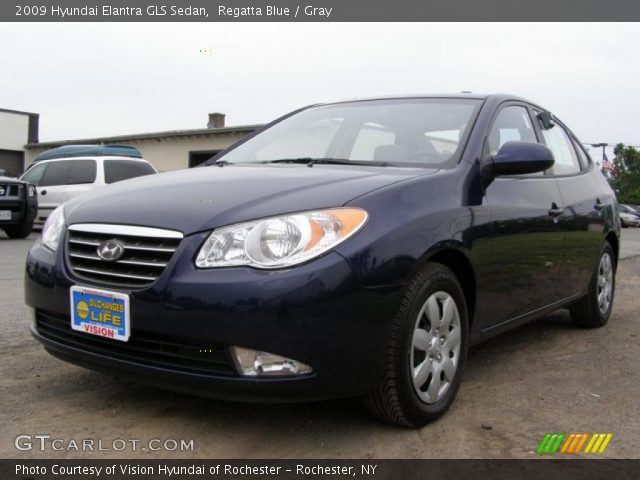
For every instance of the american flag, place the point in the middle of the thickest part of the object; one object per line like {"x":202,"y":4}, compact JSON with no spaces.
{"x":607,"y":166}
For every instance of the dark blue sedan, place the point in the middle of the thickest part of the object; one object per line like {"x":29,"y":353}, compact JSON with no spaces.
{"x":351,"y":248}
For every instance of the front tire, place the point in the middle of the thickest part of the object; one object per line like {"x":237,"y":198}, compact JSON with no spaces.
{"x":19,"y":231}
{"x":594,"y":310}
{"x":427,"y":351}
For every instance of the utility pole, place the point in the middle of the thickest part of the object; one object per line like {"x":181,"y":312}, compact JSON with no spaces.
{"x":603,"y":145}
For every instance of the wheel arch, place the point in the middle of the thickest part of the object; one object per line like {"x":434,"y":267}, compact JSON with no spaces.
{"x":459,"y":263}
{"x":614,"y":241}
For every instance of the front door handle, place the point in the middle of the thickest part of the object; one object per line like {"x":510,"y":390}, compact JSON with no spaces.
{"x":43,"y":192}
{"x":555,"y":211}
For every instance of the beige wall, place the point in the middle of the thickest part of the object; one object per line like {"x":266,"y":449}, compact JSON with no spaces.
{"x":14,"y":131}
{"x":168,"y":153}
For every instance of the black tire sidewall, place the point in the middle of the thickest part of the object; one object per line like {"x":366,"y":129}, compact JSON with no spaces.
{"x":593,"y":290}
{"x":19,"y":231}
{"x":436,"y":278}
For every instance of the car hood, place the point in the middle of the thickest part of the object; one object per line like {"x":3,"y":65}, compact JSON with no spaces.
{"x":5,"y":179}
{"x":208,"y":197}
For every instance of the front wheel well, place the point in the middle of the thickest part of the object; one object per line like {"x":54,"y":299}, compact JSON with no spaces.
{"x":460,"y":265}
{"x":613,"y":240}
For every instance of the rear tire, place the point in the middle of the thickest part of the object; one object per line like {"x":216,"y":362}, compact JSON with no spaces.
{"x":426,"y":352}
{"x":594,"y":310}
{"x":19,"y":231}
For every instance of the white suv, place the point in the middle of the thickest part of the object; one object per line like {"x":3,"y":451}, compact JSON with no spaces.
{"x":60,"y":179}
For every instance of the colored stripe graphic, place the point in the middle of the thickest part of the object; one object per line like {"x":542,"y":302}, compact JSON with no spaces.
{"x":572,"y":443}
{"x":550,"y":443}
{"x":598,"y":443}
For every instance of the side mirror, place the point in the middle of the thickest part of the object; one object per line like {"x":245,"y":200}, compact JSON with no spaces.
{"x":518,"y":158}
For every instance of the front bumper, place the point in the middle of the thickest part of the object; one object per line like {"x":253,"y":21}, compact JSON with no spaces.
{"x":316,"y":313}
{"x":22,"y":211}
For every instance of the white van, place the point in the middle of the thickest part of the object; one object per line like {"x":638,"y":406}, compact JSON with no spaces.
{"x":60,"y":179}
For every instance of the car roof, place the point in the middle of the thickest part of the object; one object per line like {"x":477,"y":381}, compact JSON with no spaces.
{"x":89,"y":157}
{"x":67,"y":151}
{"x":5,"y":179}
{"x":499,"y":97}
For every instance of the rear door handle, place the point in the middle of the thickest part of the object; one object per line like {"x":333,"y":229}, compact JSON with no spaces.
{"x":555,"y":211}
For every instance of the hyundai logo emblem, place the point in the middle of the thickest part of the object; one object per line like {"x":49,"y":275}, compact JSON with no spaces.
{"x":110,"y":250}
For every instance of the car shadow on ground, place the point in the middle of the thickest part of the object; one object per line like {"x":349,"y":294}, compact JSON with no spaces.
{"x":349,"y":413}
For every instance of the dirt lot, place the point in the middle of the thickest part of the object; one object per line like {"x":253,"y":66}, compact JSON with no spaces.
{"x":545,"y":377}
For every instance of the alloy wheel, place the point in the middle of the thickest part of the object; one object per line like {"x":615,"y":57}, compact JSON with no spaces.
{"x":605,"y":283}
{"x":435,"y":351}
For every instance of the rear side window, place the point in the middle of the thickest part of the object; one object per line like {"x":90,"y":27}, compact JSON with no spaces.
{"x":117,"y":170}
{"x":582,"y":157}
{"x":69,"y":172}
{"x":566,"y":159}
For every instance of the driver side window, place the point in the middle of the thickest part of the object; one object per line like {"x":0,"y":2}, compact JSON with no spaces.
{"x":512,"y":124}
{"x":34,"y":174}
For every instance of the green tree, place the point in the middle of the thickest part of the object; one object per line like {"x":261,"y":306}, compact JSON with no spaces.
{"x":625,"y":177}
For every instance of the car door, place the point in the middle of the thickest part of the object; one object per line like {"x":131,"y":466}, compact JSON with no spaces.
{"x":64,"y":179}
{"x":526,"y":240}
{"x":583,"y":205}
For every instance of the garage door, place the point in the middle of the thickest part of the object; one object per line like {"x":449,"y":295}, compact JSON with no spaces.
{"x":11,"y":162}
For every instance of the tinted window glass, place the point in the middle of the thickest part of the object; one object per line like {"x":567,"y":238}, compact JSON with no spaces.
{"x":403,"y":132}
{"x":69,"y":172}
{"x":512,"y":124}
{"x":116,"y":170}
{"x":566,"y":160}
{"x":582,"y":156}
{"x":34,"y":174}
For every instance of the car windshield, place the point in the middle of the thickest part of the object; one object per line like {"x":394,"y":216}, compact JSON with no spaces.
{"x":417,"y":132}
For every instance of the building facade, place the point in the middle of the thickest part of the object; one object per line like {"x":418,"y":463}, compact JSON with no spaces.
{"x":170,"y":150}
{"x":16,"y":130}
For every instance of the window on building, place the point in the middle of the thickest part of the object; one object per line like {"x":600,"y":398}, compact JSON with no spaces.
{"x":196,"y":158}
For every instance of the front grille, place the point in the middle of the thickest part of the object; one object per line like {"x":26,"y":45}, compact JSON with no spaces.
{"x":16,"y":206}
{"x":147,"y":251}
{"x":146,"y":348}
{"x":10,"y":190}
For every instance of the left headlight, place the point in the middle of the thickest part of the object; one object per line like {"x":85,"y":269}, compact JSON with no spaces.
{"x":53,"y":228}
{"x":280,"y":241}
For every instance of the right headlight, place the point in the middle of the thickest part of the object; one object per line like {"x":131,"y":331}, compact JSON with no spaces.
{"x":53,"y":228}
{"x":282,"y":241}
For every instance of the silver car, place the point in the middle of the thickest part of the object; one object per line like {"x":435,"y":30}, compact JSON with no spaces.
{"x":61,"y":179}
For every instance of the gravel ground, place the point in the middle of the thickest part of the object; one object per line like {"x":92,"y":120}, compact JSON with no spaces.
{"x":544,"y":377}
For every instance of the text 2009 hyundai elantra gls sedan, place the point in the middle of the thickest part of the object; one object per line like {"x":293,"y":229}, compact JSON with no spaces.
{"x":352,"y":248}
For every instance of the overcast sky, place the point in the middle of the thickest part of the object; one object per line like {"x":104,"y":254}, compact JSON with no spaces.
{"x":101,"y":79}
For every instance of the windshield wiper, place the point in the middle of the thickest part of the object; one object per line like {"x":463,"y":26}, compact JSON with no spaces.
{"x":310,"y":162}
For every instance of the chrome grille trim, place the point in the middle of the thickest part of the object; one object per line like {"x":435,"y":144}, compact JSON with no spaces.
{"x":147,"y":252}
{"x":107,"y":273}
{"x":129,"y":230}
